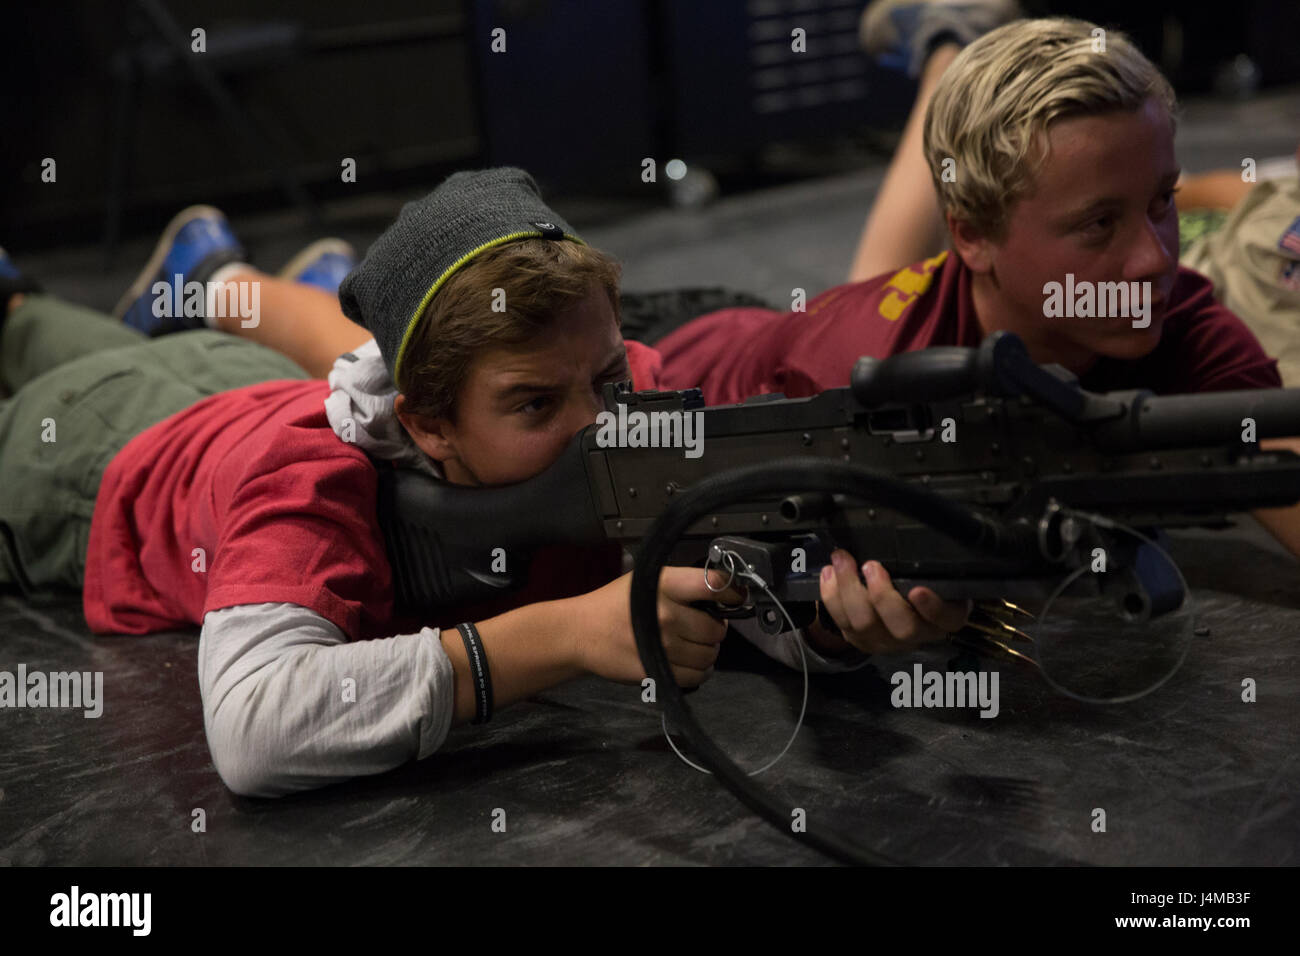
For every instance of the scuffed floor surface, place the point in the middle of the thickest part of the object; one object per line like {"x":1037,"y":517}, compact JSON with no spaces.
{"x":1188,"y":775}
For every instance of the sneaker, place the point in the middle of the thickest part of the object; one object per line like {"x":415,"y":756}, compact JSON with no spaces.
{"x":196,"y":243}
{"x":7,"y":268}
{"x":12,"y":282}
{"x":900,"y":34}
{"x":324,"y":264}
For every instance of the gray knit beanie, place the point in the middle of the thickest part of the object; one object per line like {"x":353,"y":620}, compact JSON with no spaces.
{"x":469,"y":213}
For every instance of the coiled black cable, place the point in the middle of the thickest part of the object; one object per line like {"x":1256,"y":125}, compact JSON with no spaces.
{"x":784,"y":477}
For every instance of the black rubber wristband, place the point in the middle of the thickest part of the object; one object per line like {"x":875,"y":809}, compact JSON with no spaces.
{"x":479,"y":673}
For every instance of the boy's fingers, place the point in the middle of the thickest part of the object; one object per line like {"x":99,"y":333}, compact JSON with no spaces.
{"x":693,"y":654}
{"x":690,"y":677}
{"x":696,"y":624}
{"x":947,"y":616}
{"x":732,"y":594}
{"x":685,"y":585}
{"x":845,"y":597}
{"x":904,"y":624}
{"x":831,"y":600}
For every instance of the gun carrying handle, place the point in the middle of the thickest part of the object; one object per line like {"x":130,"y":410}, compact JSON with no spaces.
{"x":931,"y":374}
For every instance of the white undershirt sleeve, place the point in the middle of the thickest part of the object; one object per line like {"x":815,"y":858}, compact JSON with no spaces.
{"x":289,"y":704}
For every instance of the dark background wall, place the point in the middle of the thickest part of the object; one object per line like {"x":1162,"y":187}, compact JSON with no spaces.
{"x":388,"y":84}
{"x":409,"y":90}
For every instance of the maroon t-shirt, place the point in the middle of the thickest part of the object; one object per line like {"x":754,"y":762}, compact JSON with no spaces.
{"x":736,"y":353}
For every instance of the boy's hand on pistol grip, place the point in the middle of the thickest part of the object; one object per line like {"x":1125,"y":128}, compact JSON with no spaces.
{"x":691,"y":637}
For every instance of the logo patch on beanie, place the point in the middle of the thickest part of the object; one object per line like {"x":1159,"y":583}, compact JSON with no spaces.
{"x":550,"y":230}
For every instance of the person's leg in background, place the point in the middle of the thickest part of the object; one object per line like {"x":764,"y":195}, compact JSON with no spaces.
{"x":905,"y":224}
{"x":39,"y":332}
{"x":298,"y":320}
{"x":297,"y":315}
{"x":83,"y":386}
{"x":43,"y":332}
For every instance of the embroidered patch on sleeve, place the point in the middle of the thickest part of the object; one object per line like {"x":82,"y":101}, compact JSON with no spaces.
{"x":906,"y":284}
{"x":1290,"y":241}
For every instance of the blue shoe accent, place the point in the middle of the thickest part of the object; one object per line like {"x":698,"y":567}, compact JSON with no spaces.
{"x":328,"y":272}
{"x":324,"y":264}
{"x":195,"y":244}
{"x":12,"y":283}
{"x":900,"y":57}
{"x":7,"y":268}
{"x":900,"y":35}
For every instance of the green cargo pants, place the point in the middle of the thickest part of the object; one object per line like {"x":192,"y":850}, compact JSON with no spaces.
{"x":81,"y":386}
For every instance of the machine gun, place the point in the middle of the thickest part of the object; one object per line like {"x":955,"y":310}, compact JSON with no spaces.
{"x":1013,"y":464}
{"x":975,"y":472}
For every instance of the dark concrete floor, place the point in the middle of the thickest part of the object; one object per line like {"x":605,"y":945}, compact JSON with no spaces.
{"x":1188,"y":775}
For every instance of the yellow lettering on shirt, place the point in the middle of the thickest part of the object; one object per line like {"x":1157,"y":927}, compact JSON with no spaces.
{"x":906,"y":284}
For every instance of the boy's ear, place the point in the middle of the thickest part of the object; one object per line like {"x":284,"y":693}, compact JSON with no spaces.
{"x":975,"y":249}
{"x":431,"y":435}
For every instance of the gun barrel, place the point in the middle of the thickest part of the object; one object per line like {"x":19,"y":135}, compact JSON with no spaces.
{"x":1208,"y":418}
